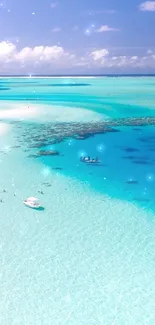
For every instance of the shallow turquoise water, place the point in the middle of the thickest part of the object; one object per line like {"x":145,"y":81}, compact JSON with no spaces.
{"x":127,"y":168}
{"x":89,"y":257}
{"x":115,"y":97}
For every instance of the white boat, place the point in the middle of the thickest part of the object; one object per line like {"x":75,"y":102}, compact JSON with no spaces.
{"x":93,"y":161}
{"x":32,"y":202}
{"x":90,"y":161}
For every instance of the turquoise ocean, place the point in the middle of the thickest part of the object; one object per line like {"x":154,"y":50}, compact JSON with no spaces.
{"x":87,"y":257}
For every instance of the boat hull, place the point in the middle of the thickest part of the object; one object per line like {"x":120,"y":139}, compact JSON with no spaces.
{"x":32,"y":206}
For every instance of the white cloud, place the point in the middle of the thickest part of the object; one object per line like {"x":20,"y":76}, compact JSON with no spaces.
{"x":124,"y":61}
{"x":81,"y":64}
{"x":106,"y":28}
{"x":57,"y":58}
{"x":42,"y":53}
{"x":56,"y":29}
{"x":54,"y":5}
{"x":9,"y":53}
{"x":149,"y":52}
{"x":71,"y":56}
{"x":147,"y":6}
{"x":134,"y":58}
{"x":103,"y":58}
{"x":7,"y":50}
{"x":99,"y":54}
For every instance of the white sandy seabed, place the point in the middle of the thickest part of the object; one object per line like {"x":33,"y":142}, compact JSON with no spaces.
{"x":46,"y":113}
{"x":4,"y":128}
{"x":85,"y":259}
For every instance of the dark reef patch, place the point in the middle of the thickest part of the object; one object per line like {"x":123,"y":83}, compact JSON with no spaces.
{"x":147,"y":139}
{"x":44,"y":153}
{"x":151,"y":149}
{"x":19,"y":84}
{"x":136,"y":129}
{"x":82,"y":137}
{"x":48,"y":153}
{"x":47,"y":184}
{"x":38,"y":136}
{"x":66,"y":85}
{"x":142,"y":162}
{"x":57,"y":168}
{"x":4,"y":88}
{"x":136,"y":157}
{"x":132,"y":182}
{"x":129,"y":157}
{"x":33,"y":156}
{"x":129,"y":149}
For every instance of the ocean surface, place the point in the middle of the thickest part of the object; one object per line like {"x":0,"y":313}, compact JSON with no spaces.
{"x":88,"y":256}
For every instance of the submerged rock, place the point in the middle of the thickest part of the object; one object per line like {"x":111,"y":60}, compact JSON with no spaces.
{"x":112,"y":130}
{"x":57,"y":168}
{"x":47,"y":184}
{"x":33,"y":156}
{"x":48,"y":153}
{"x":132,"y":182}
{"x":142,"y":162}
{"x":81,"y":137}
{"x":128,"y":149}
{"x":129,"y":157}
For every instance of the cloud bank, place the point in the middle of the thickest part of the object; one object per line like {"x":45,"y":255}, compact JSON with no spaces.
{"x":147,"y":6}
{"x":56,"y":29}
{"x":9,"y":53}
{"x":56,"y":58}
{"x":106,"y":28}
{"x":99,"y":54}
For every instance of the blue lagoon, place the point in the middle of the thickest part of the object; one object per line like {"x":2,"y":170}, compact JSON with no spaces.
{"x":89,"y":256}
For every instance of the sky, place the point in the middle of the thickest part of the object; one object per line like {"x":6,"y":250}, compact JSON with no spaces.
{"x":77,"y":37}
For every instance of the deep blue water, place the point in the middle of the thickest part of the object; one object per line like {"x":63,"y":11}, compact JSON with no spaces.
{"x":127,"y":170}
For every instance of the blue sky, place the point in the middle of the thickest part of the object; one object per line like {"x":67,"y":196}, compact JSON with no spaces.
{"x":70,"y":36}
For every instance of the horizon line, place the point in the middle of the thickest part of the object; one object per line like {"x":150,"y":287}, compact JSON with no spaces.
{"x":78,"y":75}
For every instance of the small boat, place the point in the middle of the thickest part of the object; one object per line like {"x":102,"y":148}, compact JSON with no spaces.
{"x":93,"y":161}
{"x":90,"y":161}
{"x":32,"y":203}
{"x":84,"y":159}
